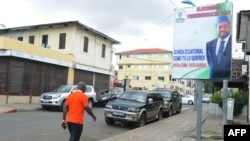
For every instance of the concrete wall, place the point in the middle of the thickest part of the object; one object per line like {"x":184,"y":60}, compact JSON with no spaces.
{"x":18,"y":99}
{"x":215,"y":110}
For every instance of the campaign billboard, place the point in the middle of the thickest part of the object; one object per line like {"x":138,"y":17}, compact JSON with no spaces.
{"x":202,"y":47}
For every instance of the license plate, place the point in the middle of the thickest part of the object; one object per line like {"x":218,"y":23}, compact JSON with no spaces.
{"x":118,"y":114}
{"x":45,"y":101}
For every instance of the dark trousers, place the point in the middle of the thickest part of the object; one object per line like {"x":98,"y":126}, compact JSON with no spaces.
{"x":75,"y":131}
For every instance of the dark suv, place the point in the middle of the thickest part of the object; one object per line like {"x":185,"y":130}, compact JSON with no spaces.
{"x":135,"y":106}
{"x":172,"y":100}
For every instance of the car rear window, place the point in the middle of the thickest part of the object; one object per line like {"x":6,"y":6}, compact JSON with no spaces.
{"x":63,"y":89}
{"x":165,"y":94}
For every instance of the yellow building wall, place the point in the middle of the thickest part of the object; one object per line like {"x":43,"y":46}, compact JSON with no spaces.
{"x":71,"y":73}
{"x":149,"y":66}
{"x":73,"y":45}
{"x":15,"y":45}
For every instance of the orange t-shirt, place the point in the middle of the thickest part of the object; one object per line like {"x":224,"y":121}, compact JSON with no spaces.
{"x":76,"y":101}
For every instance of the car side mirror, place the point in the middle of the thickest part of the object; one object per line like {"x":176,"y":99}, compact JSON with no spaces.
{"x":150,"y":100}
{"x":113,"y":97}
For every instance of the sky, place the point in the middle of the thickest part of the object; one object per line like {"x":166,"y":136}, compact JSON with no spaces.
{"x":135,"y":23}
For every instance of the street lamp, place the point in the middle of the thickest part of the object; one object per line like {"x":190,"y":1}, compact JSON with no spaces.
{"x":125,"y":84}
{"x":2,"y":26}
{"x":188,"y":2}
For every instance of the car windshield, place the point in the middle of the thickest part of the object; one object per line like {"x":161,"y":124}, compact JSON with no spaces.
{"x":135,"y":96}
{"x":165,"y":94}
{"x":105,"y":92}
{"x":63,"y":89}
{"x":88,"y":89}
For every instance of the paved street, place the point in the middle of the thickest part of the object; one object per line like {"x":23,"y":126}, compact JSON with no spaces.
{"x":180,"y":127}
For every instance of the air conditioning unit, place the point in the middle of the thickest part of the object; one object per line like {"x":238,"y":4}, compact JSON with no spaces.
{"x":244,"y":69}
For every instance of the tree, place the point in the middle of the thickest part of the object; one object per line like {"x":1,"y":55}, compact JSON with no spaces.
{"x":208,"y":86}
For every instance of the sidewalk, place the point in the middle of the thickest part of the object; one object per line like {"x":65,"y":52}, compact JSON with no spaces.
{"x":180,"y":127}
{"x":9,"y":108}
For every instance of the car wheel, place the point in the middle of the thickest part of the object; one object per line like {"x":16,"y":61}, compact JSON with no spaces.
{"x":62,"y":105}
{"x":142,"y":121}
{"x":90,"y":103}
{"x":45,"y":107}
{"x":109,"y":121}
{"x":160,"y":115}
{"x":190,"y":102}
{"x":179,"y":110}
{"x":170,"y":112}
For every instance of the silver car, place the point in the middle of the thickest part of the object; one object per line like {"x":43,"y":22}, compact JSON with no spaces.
{"x":58,"y":96}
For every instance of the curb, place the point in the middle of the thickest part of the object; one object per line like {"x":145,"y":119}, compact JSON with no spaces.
{"x":9,"y":111}
{"x":20,"y":110}
{"x":28,"y":109}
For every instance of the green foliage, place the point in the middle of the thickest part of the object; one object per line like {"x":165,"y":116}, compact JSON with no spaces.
{"x":239,"y":100}
{"x":208,"y":86}
{"x":216,"y":98}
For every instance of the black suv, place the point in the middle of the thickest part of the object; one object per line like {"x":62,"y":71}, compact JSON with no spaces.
{"x":135,"y":106}
{"x":172,"y":100}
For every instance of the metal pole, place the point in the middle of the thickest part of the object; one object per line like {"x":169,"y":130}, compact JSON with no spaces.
{"x":125,"y":84}
{"x":199,"y":110}
{"x":248,"y":111}
{"x":195,"y":95}
{"x":225,"y":89}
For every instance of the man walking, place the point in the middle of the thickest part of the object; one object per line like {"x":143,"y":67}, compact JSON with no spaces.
{"x":75,"y":105}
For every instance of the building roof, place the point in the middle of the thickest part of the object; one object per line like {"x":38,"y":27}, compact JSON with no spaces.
{"x":145,"y":51}
{"x":82,"y":26}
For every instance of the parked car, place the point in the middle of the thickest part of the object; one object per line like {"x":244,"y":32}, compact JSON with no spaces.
{"x":105,"y":95}
{"x":206,"y":98}
{"x":187,"y":99}
{"x":135,"y":106}
{"x":172,"y":100}
{"x":58,"y":96}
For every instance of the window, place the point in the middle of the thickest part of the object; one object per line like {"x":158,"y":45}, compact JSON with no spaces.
{"x":154,"y":66}
{"x":165,"y":67}
{"x":20,"y":38}
{"x":130,"y":56}
{"x":165,"y":56}
{"x":129,"y":66}
{"x":171,"y":79}
{"x":31,"y":39}
{"x":103,"y":50}
{"x":135,"y":77}
{"x":85,"y":44}
{"x":161,"y":78}
{"x":120,"y":67}
{"x":142,"y":56}
{"x":44,"y":41}
{"x":147,"y":77}
{"x":144,"y":67}
{"x":62,"y":40}
{"x":154,"y":55}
